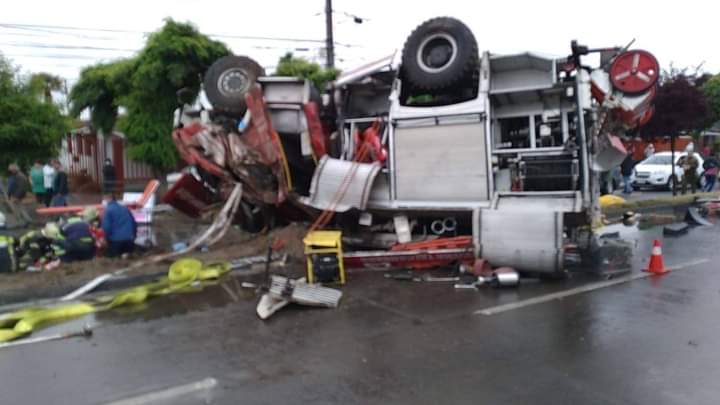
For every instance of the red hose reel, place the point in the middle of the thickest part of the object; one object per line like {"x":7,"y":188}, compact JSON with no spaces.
{"x":634,"y":71}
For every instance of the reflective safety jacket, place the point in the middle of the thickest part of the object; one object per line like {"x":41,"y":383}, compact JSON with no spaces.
{"x":8,"y":264}
{"x":33,"y":246}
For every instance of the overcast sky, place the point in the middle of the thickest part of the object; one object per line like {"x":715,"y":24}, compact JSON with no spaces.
{"x":684,"y":33}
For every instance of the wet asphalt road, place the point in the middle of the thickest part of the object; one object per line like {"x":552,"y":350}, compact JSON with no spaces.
{"x":652,"y":340}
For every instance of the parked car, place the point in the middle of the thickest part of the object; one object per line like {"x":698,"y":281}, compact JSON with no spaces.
{"x":656,"y":171}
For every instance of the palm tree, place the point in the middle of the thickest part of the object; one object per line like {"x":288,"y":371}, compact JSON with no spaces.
{"x":43,"y":84}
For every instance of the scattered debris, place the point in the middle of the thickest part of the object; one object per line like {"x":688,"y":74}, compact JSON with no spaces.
{"x":694,"y":217}
{"x":501,"y":277}
{"x":403,"y":275}
{"x":283,"y":291}
{"x":677,"y":229}
{"x":481,"y":267}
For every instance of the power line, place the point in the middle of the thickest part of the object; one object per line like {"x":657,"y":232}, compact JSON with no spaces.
{"x":44,"y":28}
{"x":50,"y":31}
{"x":58,"y":46}
{"x":51,"y":56}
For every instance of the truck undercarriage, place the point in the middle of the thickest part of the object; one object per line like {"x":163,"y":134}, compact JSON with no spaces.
{"x":440,"y":141}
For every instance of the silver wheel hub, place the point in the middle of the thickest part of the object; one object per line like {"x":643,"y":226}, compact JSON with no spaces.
{"x":233,"y":82}
{"x":437,"y":52}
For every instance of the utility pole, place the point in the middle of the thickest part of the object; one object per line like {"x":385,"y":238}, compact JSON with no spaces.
{"x":329,"y":42}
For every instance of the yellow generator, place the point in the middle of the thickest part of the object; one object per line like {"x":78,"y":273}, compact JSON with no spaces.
{"x":323,"y":251}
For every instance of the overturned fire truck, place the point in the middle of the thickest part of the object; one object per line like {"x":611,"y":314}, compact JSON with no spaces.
{"x":439,"y":140}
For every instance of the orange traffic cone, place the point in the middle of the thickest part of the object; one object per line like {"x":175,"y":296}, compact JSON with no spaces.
{"x":656,"y":265}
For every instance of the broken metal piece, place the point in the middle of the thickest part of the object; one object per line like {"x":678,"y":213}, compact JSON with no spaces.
{"x":676,"y":229}
{"x":501,"y":277}
{"x":693,"y":217}
{"x":283,"y":291}
{"x":402,"y":228}
{"x":251,"y":260}
{"x":339,"y":185}
{"x":439,"y":279}
{"x":268,"y":305}
{"x":402,"y":276}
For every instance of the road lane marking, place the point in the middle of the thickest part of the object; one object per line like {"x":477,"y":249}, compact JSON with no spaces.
{"x":578,"y":290}
{"x":168,"y":394}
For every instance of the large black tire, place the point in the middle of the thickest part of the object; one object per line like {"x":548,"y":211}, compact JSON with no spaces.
{"x":228,"y":80}
{"x":439,"y":54}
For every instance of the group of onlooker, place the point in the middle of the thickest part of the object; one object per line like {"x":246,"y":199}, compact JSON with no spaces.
{"x":689,"y":162}
{"x":48,"y":182}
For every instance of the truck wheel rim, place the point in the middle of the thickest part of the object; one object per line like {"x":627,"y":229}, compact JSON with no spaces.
{"x":437,"y":52}
{"x":233,"y":82}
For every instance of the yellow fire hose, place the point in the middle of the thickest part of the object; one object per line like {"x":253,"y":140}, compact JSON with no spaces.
{"x":182,"y":276}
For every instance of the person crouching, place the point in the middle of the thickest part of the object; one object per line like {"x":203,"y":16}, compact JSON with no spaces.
{"x":119,"y":226}
{"x":73,"y":241}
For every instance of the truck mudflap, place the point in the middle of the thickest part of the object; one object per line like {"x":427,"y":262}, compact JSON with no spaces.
{"x":530,"y":241}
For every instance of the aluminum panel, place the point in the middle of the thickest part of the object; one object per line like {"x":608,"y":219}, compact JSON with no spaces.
{"x":538,"y":204}
{"x":443,"y":163}
{"x":287,"y":120}
{"x":529,"y":241}
{"x":288,"y":90}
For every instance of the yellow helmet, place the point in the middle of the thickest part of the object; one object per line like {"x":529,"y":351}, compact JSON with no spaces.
{"x":89,"y":214}
{"x":51,"y":230}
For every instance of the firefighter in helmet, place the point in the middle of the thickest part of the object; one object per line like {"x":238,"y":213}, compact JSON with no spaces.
{"x":73,"y":241}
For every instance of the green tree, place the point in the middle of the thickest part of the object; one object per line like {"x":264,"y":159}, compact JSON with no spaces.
{"x":711,"y":88}
{"x":174,"y":57}
{"x":43,"y":85}
{"x":99,"y":89}
{"x":680,"y":107}
{"x":290,"y":65}
{"x":29,"y":128}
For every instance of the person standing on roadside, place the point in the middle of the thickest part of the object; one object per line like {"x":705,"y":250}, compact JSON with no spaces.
{"x":711,"y":167}
{"x":17,"y":186}
{"x":37,"y":180}
{"x":626,"y":169}
{"x":707,"y":151}
{"x":60,"y":186}
{"x":48,"y":180}
{"x":689,"y":164}
{"x":649,"y":150}
{"x":108,"y":176}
